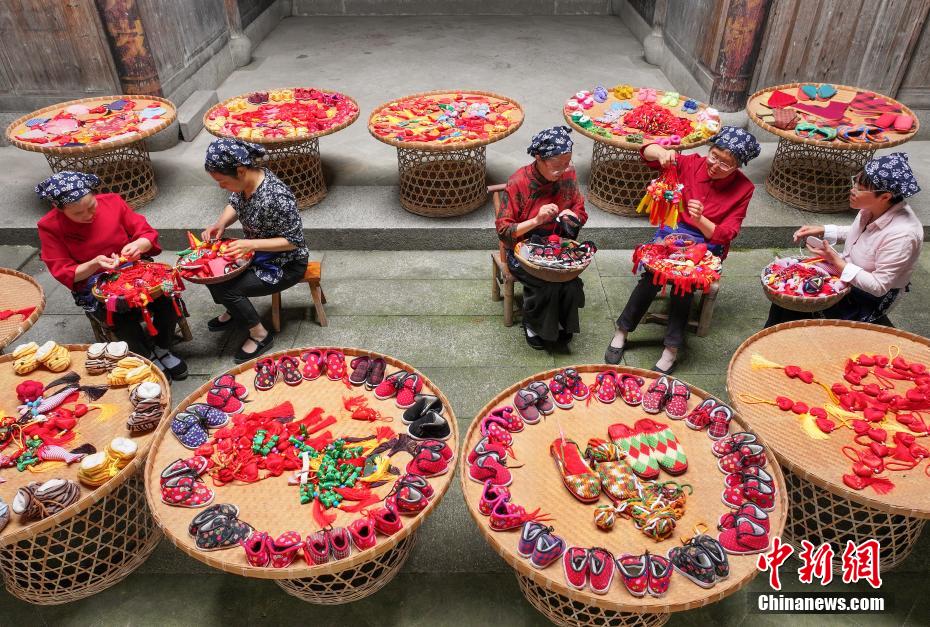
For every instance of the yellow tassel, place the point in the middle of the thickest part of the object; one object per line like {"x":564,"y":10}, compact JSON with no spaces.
{"x":46,"y":466}
{"x":809,"y":427}
{"x":758,"y":362}
{"x":382,"y":471}
{"x":644,"y":205}
{"x":107,"y":410}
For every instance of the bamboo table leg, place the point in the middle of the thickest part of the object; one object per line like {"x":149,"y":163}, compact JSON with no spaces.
{"x":818,"y":516}
{"x":814,"y":178}
{"x":298,"y":165}
{"x":442,"y":183}
{"x":618,"y":179}
{"x":126,"y":171}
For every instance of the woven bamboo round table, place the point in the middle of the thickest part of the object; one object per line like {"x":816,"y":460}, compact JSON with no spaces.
{"x":294,"y":159}
{"x":537,"y":483}
{"x":823,"y":508}
{"x":121,"y":161}
{"x":98,"y":541}
{"x":18,"y":291}
{"x":815,"y":175}
{"x":618,"y":175}
{"x":446,"y":177}
{"x":272,"y":505}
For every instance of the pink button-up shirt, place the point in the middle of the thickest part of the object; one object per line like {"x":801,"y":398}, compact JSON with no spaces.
{"x":881,"y":256}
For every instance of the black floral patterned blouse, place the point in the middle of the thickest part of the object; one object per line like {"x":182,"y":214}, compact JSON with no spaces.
{"x":271,"y":212}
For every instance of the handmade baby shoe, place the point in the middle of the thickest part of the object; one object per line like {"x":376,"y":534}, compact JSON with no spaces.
{"x":580,"y":480}
{"x":631,"y":389}
{"x":494,"y":428}
{"x":386,"y":521}
{"x":375,"y":373}
{"x":576,"y":566}
{"x":24,"y":358}
{"x":660,"y":574}
{"x":750,"y":491}
{"x":285,"y":548}
{"x":190,"y":425}
{"x":714,"y":550}
{"x":362,"y":532}
{"x":720,"y":418}
{"x":266,"y":376}
{"x":634,"y":573}
{"x":529,"y":534}
{"x":694,"y":563}
{"x":746,"y":455}
{"x":335,"y":365}
{"x":699,"y":417}
{"x":618,"y":481}
{"x":191,"y":467}
{"x":340,"y":544}
{"x":726,"y":445}
{"x":486,"y":446}
{"x":745,"y":537}
{"x":313,"y":364}
{"x":543,"y":403}
{"x":220,"y":509}
{"x":95,"y":363}
{"x":98,"y":468}
{"x":430,"y":426}
{"x":425,"y":403}
{"x":186,"y":491}
{"x":525,"y":401}
{"x":601,"y":569}
{"x":666,"y":449}
{"x":561,"y":392}
{"x":548,"y":548}
{"x":656,"y":395}
{"x":360,"y":367}
{"x":316,"y":548}
{"x":410,"y":387}
{"x":749,"y":472}
{"x":605,"y":386}
{"x":747,"y":510}
{"x":35,"y":501}
{"x":576,"y":386}
{"x":634,"y":445}
{"x":428,"y":462}
{"x":222,"y":532}
{"x":490,"y":495}
{"x":390,"y":385}
{"x":676,"y":405}
{"x":54,"y":356}
{"x":147,"y":407}
{"x":289,"y":368}
{"x":407,"y":499}
{"x":257,"y":550}
{"x":489,"y":468}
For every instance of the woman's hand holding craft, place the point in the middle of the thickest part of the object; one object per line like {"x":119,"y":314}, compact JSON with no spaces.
{"x":240,"y":247}
{"x":107,"y":262}
{"x":547,"y":213}
{"x":828,"y":254}
{"x":133,"y":250}
{"x":695,"y":209}
{"x":807,"y":230}
{"x":212,"y":232}
{"x":667,"y":158}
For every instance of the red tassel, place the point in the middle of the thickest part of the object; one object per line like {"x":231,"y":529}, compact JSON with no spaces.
{"x":321,"y":517}
{"x":354,"y":494}
{"x":371,"y":500}
{"x":177,"y":307}
{"x":149,"y":325}
{"x":384,"y":433}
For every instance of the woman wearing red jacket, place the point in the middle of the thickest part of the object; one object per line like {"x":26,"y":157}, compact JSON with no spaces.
{"x":86,"y":234}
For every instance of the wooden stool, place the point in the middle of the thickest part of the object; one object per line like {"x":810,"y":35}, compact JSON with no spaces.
{"x":705,"y":312}
{"x":312,"y":279}
{"x":501,"y":279}
{"x":103,"y":333}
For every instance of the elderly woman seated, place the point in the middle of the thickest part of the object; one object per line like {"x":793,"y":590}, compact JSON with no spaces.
{"x":716,"y":196}
{"x":882,"y":245}
{"x":542,"y":198}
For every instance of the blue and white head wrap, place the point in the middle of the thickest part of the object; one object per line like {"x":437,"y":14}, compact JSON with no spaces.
{"x":551,"y":142}
{"x":228,"y":154}
{"x":66,"y":187}
{"x":741,"y":143}
{"x":892,"y":173}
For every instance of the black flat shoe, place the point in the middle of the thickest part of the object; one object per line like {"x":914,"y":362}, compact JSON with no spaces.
{"x":670,"y":370}
{"x":241,"y":356}
{"x":215,"y":324}
{"x":565,"y":337}
{"x":432,"y":426}
{"x":178,"y":372}
{"x":535,"y":342}
{"x":614,"y":355}
{"x":423,"y":404}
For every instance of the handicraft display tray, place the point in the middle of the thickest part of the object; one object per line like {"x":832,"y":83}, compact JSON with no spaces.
{"x":96,"y":130}
{"x":804,"y":302}
{"x":241,"y":116}
{"x":552,"y":273}
{"x":615,"y":133}
{"x":271,"y":504}
{"x":18,"y":291}
{"x":537,"y":484}
{"x":97,"y":427}
{"x":210,"y":254}
{"x":391,"y":127}
{"x":757,"y":109}
{"x":822,"y":347}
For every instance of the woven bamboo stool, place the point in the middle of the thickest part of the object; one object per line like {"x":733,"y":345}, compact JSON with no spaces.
{"x":443,"y":179}
{"x":124,"y":165}
{"x":536,"y":484}
{"x":312,"y":279}
{"x":98,"y":541}
{"x":700,"y":317}
{"x":18,"y":291}
{"x":823,"y":508}
{"x":296,"y":162}
{"x":815,"y":175}
{"x":272,"y":505}
{"x":619,"y":176}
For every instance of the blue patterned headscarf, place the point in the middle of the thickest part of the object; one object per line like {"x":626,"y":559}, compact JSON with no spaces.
{"x":228,"y":154}
{"x":66,"y":187}
{"x":551,"y":142}
{"x":892,"y":173}
{"x":741,"y":143}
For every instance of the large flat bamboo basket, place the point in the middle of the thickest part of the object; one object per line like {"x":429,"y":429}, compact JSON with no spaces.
{"x":90,"y":429}
{"x":18,"y":291}
{"x":271,"y":505}
{"x":756,"y":108}
{"x":600,"y":108}
{"x":18,"y":125}
{"x":450,"y":145}
{"x":537,"y":483}
{"x":822,"y":346}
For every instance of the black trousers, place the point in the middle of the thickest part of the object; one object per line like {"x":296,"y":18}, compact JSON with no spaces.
{"x":857,"y":305}
{"x":233,"y":295}
{"x":548,"y":306}
{"x":642,"y":296}
{"x":128,"y":326}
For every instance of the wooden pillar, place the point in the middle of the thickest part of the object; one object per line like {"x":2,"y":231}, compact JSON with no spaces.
{"x":741,"y":38}
{"x":134,"y":62}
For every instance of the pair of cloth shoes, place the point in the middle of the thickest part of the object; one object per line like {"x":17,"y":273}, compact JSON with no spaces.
{"x":668,"y":394}
{"x":753,"y":484}
{"x":269,"y":371}
{"x":567,"y":387}
{"x":701,"y":560}
{"x":98,"y":468}
{"x":192,"y":425}
{"x":317,"y":361}
{"x":505,"y":515}
{"x":539,"y":545}
{"x":148,"y":407}
{"x":713,"y":415}
{"x":367,"y":371}
{"x":533,"y":402}
{"x":182,"y":485}
{"x":218,"y":527}
{"x":645,"y":574}
{"x":431,"y":458}
{"x":649,"y":446}
{"x":744,"y":531}
{"x":103,"y":356}
{"x":327,"y":544}
{"x":402,"y":386}
{"x":227,"y":395}
{"x":29,"y":356}
{"x":35,"y":501}
{"x":425,"y":420}
{"x":592,"y":568}
{"x":618,"y":481}
{"x":500,"y":425}
{"x":410,"y":495}
{"x":609,"y":385}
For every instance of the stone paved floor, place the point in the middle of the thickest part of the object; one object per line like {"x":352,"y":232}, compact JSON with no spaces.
{"x":432,"y":309}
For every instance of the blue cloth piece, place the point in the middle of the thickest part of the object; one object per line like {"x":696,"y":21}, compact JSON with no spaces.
{"x":66,"y":187}
{"x":551,"y":142}
{"x":264,"y":269}
{"x":228,"y":154}
{"x":892,"y":173}
{"x":691,"y":232}
{"x":741,"y":143}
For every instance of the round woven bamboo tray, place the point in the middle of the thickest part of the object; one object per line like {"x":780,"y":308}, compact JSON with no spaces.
{"x":18,"y":291}
{"x":823,"y":508}
{"x":213,"y":280}
{"x":553,"y":275}
{"x":99,"y":540}
{"x":573,"y":520}
{"x":273,"y":506}
{"x":154,"y":292}
{"x":806,"y":304}
{"x":815,"y":175}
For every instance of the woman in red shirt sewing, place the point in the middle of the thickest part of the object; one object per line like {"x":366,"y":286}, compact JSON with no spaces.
{"x":541,"y":199}
{"x":716,"y":195}
{"x":86,"y":234}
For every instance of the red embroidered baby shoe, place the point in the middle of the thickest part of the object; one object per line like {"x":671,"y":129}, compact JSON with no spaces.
{"x":606,"y":386}
{"x":436,"y":445}
{"x":363,"y":534}
{"x":744,"y":538}
{"x":656,"y":396}
{"x":561,"y":392}
{"x":386,"y":521}
{"x":285,"y":548}
{"x":728,"y":444}
{"x":224,"y":400}
{"x":186,"y":491}
{"x":493,"y":428}
{"x":749,"y":472}
{"x":700,"y":415}
{"x":750,"y":491}
{"x":600,"y":570}
{"x":266,"y":375}
{"x":746,"y":455}
{"x":490,"y":495}
{"x":192,"y":466}
{"x":507,"y":515}
{"x":390,"y":385}
{"x":575,"y":564}
{"x":660,"y":574}
{"x":289,"y":368}
{"x":229,"y":381}
{"x":408,"y":390}
{"x":720,"y":418}
{"x":418,"y":482}
{"x":256,"y":549}
{"x":407,"y":500}
{"x":746,"y":510}
{"x":339,"y":544}
{"x":634,"y":573}
{"x":508,"y":419}
{"x":316,"y":548}
{"x":631,"y":389}
{"x":335,"y":365}
{"x":579,"y":390}
{"x":489,"y":468}
{"x":676,"y":407}
{"x":543,"y":403}
{"x":313,"y":364}
{"x":484,"y":447}
{"x":428,"y":463}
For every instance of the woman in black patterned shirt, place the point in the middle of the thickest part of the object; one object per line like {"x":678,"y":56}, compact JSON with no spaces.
{"x":273,"y":231}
